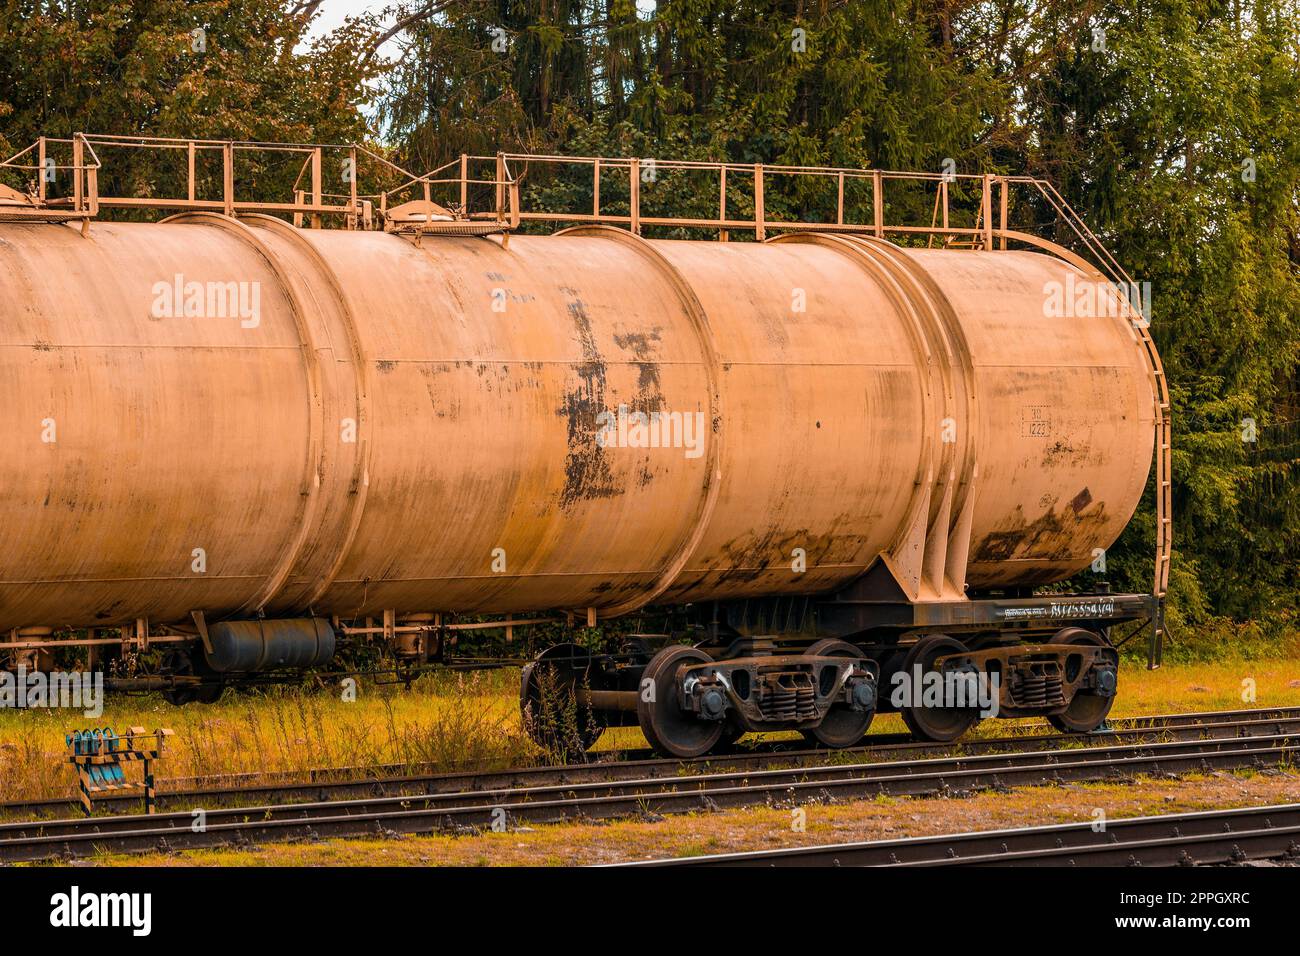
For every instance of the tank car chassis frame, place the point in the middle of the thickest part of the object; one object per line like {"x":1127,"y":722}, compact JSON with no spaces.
{"x":824,"y":667}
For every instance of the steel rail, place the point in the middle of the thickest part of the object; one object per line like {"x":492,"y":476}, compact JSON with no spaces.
{"x":37,"y":840}
{"x":1203,"y":837}
{"x":360,"y":782}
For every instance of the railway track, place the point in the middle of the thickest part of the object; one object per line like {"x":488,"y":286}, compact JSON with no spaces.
{"x":645,"y":795}
{"x":359,"y":783}
{"x":1207,"y":837}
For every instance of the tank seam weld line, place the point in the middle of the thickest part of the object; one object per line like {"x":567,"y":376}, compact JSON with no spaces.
{"x":309,"y":504}
{"x":356,"y":501}
{"x":698,"y":319}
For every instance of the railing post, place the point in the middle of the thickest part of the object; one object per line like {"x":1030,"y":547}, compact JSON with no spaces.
{"x":228,"y":178}
{"x":839,"y":201}
{"x":878,"y":202}
{"x":354,"y":213}
{"x":464,"y":184}
{"x":1002,"y":210}
{"x":635,"y":196}
{"x":191,"y":189}
{"x":760,"y":212}
{"x":40,"y":168}
{"x":724,"y":235}
{"x":986,"y":208}
{"x":595,"y":188}
{"x":501,"y":186}
{"x":316,"y":196}
{"x":76,"y":172}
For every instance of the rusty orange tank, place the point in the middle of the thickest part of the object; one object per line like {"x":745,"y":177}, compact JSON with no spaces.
{"x":379,"y":430}
{"x":226,"y":417}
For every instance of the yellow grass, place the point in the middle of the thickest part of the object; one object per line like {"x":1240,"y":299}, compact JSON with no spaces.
{"x":1226,"y":686}
{"x":447,"y":720}
{"x":468,"y":720}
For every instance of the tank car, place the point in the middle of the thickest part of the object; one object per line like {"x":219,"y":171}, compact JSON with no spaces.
{"x":861,"y":466}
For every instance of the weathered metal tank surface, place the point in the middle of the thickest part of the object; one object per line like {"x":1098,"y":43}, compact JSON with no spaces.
{"x":451,"y":425}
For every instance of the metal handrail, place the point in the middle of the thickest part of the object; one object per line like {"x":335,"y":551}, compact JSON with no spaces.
{"x":86,"y":199}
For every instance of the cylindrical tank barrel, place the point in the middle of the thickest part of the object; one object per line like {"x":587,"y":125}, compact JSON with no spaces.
{"x":268,"y":645}
{"x":242,"y":417}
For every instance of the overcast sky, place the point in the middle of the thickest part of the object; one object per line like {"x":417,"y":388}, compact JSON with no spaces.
{"x":333,"y":12}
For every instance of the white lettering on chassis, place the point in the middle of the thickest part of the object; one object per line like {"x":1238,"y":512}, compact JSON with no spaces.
{"x":1082,"y":608}
{"x":1061,"y":609}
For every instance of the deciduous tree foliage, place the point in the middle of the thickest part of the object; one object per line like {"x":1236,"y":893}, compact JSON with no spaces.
{"x":1173,"y":126}
{"x":137,"y":67}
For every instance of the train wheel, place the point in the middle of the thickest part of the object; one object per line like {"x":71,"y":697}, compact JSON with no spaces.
{"x":548,"y":700}
{"x":842,"y":726}
{"x":942,"y":724}
{"x":1087,"y":711}
{"x":210,"y":691}
{"x":179,"y":662}
{"x":670,"y":729}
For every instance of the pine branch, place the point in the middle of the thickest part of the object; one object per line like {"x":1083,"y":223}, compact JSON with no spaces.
{"x":405,"y":23}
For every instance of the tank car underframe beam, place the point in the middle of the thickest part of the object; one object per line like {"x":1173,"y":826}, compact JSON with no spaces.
{"x":877,"y":603}
{"x":1031,"y":615}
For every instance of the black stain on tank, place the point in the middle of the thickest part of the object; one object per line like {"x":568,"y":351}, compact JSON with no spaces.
{"x":109,"y":612}
{"x":644,"y":347}
{"x":648,"y":387}
{"x":586,"y":471}
{"x":1062,"y":453}
{"x":1051,"y":537}
{"x":750,"y":556}
{"x":641,"y":344}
